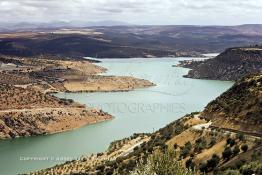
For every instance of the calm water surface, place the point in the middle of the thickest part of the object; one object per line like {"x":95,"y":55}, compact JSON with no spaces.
{"x":141,"y":110}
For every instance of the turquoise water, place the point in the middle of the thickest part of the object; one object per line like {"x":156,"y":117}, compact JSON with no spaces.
{"x":141,"y":110}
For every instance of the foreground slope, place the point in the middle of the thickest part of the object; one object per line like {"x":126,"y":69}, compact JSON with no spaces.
{"x":240,"y":107}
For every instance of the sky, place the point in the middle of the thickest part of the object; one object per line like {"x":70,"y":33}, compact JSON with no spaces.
{"x":156,"y":12}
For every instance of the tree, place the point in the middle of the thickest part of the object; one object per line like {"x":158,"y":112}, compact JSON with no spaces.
{"x":203,"y":167}
{"x":240,"y":136}
{"x":190,"y":164}
{"x":213,"y":162}
{"x":159,"y":163}
{"x":231,"y":142}
{"x":236,"y":150}
{"x":244,"y":147}
{"x":200,"y":144}
{"x":186,"y":150}
{"x":227,"y":153}
{"x":175,"y":146}
{"x":212,"y":142}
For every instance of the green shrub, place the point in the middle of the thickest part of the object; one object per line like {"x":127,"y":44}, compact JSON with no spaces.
{"x":186,"y":150}
{"x":244,"y":147}
{"x":203,"y":167}
{"x":227,"y":153}
{"x":240,"y":136}
{"x":161,"y":164}
{"x":190,"y":164}
{"x":200,"y":144}
{"x":231,"y":142}
{"x":236,"y":150}
{"x":239,"y":163}
{"x":213,"y":162}
{"x":212,"y":142}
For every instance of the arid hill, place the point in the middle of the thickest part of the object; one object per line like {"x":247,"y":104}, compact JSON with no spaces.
{"x":232,"y":64}
{"x":12,"y":97}
{"x":28,"y":112}
{"x":240,"y":107}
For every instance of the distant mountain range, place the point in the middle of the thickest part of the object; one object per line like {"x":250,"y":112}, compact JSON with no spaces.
{"x":111,"y":39}
{"x":5,"y":27}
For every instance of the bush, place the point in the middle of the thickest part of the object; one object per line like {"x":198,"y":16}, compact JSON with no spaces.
{"x":186,"y":150}
{"x":244,"y":147}
{"x":213,"y":162}
{"x":161,"y":164}
{"x":212,"y":142}
{"x":236,"y":150}
{"x":200,"y":144}
{"x":240,"y":136}
{"x":227,"y":153}
{"x":231,"y":142}
{"x":203,"y":167}
{"x":175,"y":146}
{"x":190,"y":164}
{"x":239,"y":163}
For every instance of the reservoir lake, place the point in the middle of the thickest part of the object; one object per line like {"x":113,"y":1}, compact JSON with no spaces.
{"x":137,"y":111}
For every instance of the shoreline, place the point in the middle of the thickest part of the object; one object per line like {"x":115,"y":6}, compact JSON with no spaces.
{"x":58,"y":132}
{"x":46,"y":121}
{"x":102,"y":91}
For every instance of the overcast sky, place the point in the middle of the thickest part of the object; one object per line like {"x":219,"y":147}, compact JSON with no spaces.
{"x":202,"y":12}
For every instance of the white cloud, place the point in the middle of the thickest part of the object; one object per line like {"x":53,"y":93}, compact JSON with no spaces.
{"x":135,"y":11}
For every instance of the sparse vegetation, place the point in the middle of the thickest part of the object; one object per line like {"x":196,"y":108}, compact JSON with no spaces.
{"x":162,"y":164}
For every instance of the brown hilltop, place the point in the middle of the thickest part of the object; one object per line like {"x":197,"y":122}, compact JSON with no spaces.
{"x":232,"y":64}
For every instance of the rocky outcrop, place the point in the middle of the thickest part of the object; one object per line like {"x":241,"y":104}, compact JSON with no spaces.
{"x":232,"y":65}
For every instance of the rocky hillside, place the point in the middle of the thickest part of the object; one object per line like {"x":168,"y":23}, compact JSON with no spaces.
{"x":232,"y":64}
{"x":240,"y":107}
{"x":27,"y":112}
